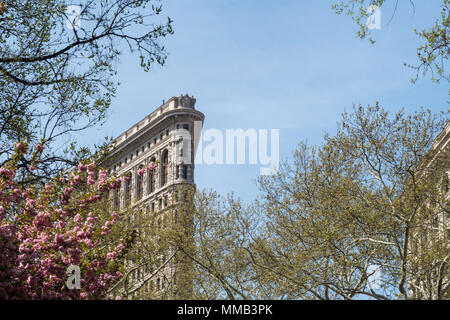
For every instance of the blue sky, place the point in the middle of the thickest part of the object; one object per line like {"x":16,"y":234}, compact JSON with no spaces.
{"x":291,"y":65}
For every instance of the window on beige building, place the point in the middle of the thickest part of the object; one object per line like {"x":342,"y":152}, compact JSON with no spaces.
{"x":164,"y":167}
{"x":151,"y":178}
{"x":139,"y":186}
{"x":127,"y":191}
{"x":184,"y":172}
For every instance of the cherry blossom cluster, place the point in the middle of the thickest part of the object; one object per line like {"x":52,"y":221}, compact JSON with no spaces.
{"x":45,"y":229}
{"x":151,"y":166}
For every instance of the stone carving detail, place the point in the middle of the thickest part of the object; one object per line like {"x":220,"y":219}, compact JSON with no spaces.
{"x":185,"y":101}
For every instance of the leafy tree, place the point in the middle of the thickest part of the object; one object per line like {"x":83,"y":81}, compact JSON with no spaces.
{"x":364,"y":215}
{"x":57,"y":69}
{"x":199,"y":234}
{"x":432,"y":53}
{"x":341,"y":219}
{"x":149,"y":255}
{"x":222,"y":230}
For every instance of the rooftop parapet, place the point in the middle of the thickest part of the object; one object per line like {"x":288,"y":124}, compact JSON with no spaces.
{"x":183,"y":101}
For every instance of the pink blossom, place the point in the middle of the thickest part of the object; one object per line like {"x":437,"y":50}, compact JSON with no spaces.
{"x":6,"y":172}
{"x":21,"y":147}
{"x":60,"y":225}
{"x":91,"y":166}
{"x":84,"y":295}
{"x":151,"y":166}
{"x":115,"y":184}
{"x":48,"y":234}
{"x":78,"y":218}
{"x":40,"y":147}
{"x":76,"y":180}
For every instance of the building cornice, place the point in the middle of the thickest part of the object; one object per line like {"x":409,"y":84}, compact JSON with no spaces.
{"x":443,"y":139}
{"x":174,"y":107}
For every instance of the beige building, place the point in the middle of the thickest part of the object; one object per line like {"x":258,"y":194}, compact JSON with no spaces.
{"x":429,"y":245}
{"x":166,"y":137}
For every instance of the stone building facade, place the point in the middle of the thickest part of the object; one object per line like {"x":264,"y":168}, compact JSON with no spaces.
{"x":432,"y":235}
{"x":166,"y":137}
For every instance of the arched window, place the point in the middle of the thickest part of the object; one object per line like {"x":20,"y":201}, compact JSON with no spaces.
{"x":127,"y":188}
{"x":164,"y":167}
{"x":151,"y":178}
{"x":139,"y":186}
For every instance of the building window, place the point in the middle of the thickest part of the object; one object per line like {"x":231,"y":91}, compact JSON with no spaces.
{"x":167,"y":132}
{"x":127,"y":190}
{"x":186,"y":126}
{"x":177,"y":172}
{"x":139,"y":186}
{"x":153,"y":207}
{"x":164,"y":167}
{"x":184,"y":172}
{"x":151,"y":178}
{"x":160,"y":203}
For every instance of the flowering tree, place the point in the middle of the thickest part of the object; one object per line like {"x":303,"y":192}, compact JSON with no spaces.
{"x":58,"y":63}
{"x":45,"y":230}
